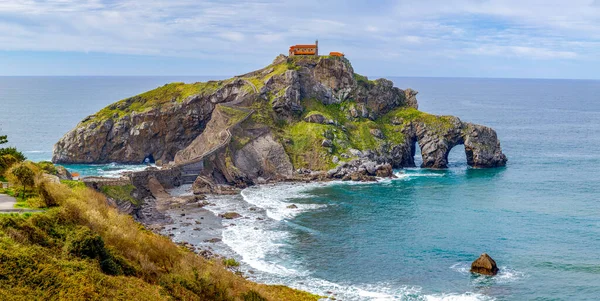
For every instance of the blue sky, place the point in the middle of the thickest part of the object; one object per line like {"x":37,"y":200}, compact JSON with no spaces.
{"x":463,"y":38}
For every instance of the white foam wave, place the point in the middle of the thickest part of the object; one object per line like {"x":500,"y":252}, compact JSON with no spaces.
{"x":261,"y":244}
{"x":275,"y":199}
{"x":111,"y":170}
{"x":401,"y":175}
{"x":458,"y":297}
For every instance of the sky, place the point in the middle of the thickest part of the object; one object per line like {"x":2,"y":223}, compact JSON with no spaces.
{"x":429,"y":38}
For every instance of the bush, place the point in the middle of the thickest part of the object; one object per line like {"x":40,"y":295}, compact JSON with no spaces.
{"x":47,"y":167}
{"x":86,"y":244}
{"x":231,"y":262}
{"x":13,"y":152}
{"x":6,"y":161}
{"x":48,"y":198}
{"x":253,"y":296}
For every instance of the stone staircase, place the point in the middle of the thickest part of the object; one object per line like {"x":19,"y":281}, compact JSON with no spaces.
{"x":191,"y":170}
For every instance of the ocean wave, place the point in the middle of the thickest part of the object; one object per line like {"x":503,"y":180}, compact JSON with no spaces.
{"x":109,"y":170}
{"x":261,"y":242}
{"x":402,"y":175}
{"x":275,"y":199}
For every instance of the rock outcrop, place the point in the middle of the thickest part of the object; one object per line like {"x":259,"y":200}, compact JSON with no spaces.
{"x":482,"y":147}
{"x":309,"y":114}
{"x":484,"y":265}
{"x":125,"y":134}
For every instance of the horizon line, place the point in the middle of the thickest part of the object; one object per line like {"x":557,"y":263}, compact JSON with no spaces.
{"x":369,"y":76}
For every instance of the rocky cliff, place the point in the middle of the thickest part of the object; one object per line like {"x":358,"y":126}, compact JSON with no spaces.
{"x":298,"y":116}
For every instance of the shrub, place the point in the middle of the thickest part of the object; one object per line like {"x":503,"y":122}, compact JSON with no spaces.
{"x":253,"y":296}
{"x":13,"y":152}
{"x":47,"y":167}
{"x":6,"y":161}
{"x":86,"y":244}
{"x":231,"y":262}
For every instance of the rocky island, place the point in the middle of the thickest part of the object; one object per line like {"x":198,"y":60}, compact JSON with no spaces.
{"x":300,"y":118}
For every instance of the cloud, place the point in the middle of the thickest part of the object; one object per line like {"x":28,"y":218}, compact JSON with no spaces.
{"x":520,"y":51}
{"x":396,"y":31}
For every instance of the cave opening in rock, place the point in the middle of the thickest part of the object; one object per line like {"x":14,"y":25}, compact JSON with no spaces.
{"x":457,"y":157}
{"x":149,"y":159}
{"x":416,"y":152}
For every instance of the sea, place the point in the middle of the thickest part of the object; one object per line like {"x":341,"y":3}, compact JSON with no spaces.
{"x":410,"y":238}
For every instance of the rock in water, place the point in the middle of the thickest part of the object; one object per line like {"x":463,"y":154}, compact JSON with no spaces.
{"x":484,"y":265}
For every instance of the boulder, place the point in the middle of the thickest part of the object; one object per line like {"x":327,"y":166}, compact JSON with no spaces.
{"x":385,"y":171}
{"x":230,"y":215}
{"x":326,"y":143}
{"x":292,"y":206}
{"x":315,"y":118}
{"x":63,"y":173}
{"x":484,"y":265}
{"x":377,"y":133}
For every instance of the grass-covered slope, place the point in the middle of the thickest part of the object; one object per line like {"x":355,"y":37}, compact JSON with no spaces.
{"x":161,"y":96}
{"x":85,"y":250}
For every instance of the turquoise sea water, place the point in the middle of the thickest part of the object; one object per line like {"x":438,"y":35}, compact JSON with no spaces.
{"x":412,"y":238}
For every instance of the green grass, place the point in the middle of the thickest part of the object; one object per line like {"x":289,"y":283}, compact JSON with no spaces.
{"x":73,"y":184}
{"x":233,"y":115}
{"x":122,"y":193}
{"x":259,"y":79}
{"x":305,"y":148}
{"x":437,"y":124}
{"x":157,"y":98}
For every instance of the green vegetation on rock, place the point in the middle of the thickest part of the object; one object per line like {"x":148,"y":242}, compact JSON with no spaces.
{"x":258,"y":78}
{"x":153,"y":99}
{"x":121,"y":193}
{"x":233,"y":115}
{"x":438,"y":124}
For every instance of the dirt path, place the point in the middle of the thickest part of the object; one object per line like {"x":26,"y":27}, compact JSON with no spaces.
{"x":7,"y":202}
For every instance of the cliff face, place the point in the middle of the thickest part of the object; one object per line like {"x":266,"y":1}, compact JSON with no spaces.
{"x":158,"y":123}
{"x":296,"y":115}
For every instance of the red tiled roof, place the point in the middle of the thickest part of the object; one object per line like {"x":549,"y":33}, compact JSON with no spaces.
{"x":303,"y":46}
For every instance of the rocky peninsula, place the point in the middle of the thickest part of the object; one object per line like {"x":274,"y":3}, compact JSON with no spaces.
{"x":300,"y":118}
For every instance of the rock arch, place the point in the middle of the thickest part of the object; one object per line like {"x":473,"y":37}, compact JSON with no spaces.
{"x":482,"y":147}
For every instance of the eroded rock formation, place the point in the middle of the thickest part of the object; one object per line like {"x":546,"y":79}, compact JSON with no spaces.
{"x":298,"y":117}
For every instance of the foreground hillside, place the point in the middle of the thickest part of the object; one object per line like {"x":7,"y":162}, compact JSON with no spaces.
{"x":83,"y":249}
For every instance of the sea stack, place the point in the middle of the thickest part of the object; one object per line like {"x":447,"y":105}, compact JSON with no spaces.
{"x":484,"y":265}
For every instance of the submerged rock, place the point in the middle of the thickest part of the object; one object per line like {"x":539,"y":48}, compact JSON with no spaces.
{"x":484,"y":265}
{"x":230,"y":215}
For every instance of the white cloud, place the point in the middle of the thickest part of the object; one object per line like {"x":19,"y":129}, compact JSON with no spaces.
{"x":405,"y":31}
{"x":520,"y":51}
